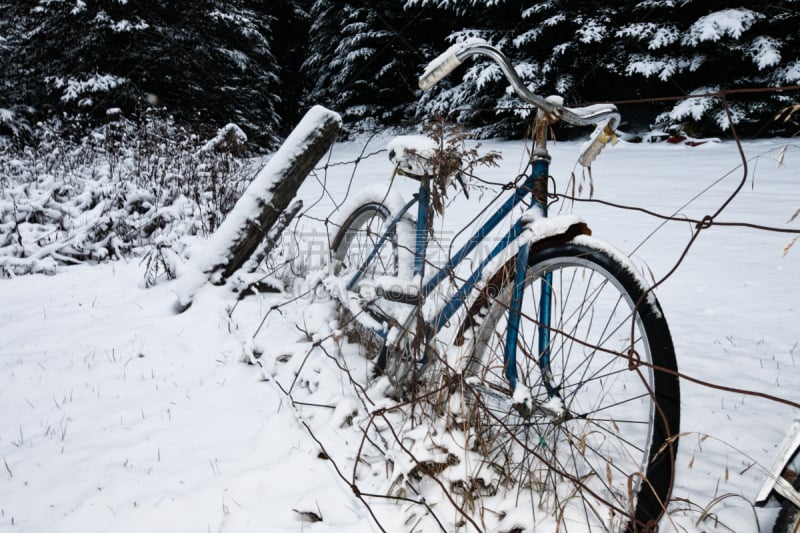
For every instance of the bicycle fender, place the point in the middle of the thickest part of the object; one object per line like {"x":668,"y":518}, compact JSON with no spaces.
{"x":538,"y":232}
{"x":541,"y":232}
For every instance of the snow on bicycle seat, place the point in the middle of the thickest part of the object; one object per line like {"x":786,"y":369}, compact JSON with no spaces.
{"x":413,"y":155}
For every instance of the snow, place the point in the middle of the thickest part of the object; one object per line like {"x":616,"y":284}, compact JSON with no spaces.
{"x":74,"y":88}
{"x":765,"y":52}
{"x":554,"y":20}
{"x":226,"y":135}
{"x":411,"y":153}
{"x":694,"y":107}
{"x":791,"y":74}
{"x":658,"y":36}
{"x":724,"y":23}
{"x":123,"y":26}
{"x":648,"y":65}
{"x":637,"y":29}
{"x":539,"y":6}
{"x":447,"y":3}
{"x":528,"y":36}
{"x":663,"y":37}
{"x":488,"y":74}
{"x":6,"y":115}
{"x":591,"y":32}
{"x":80,"y":7}
{"x":119,"y":415}
{"x":561,"y":48}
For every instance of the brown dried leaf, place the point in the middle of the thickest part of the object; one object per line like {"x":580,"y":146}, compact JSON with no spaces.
{"x":573,"y":184}
{"x":788,"y":246}
{"x":782,"y":154}
{"x":786,"y":113}
{"x":452,"y":155}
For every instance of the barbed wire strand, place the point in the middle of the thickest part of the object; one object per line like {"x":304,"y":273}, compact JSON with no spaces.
{"x":701,"y":224}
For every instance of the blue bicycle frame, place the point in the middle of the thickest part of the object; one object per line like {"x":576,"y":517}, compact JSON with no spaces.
{"x":534,"y":188}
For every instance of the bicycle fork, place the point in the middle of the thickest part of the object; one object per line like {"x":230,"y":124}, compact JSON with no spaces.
{"x":523,"y":400}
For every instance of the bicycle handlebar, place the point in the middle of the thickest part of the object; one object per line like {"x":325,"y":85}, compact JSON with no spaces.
{"x":458,"y":53}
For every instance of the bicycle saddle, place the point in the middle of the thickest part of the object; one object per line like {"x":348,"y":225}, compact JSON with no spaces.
{"x":414,"y":156}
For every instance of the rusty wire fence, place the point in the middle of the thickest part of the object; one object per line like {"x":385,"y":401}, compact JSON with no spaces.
{"x":419,"y":447}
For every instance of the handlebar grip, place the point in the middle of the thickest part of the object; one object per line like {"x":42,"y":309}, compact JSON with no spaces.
{"x":439,"y":68}
{"x":448,"y":61}
{"x":601,"y":136}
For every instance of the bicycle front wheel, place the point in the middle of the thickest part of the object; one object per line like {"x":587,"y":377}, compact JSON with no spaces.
{"x":603,"y":456}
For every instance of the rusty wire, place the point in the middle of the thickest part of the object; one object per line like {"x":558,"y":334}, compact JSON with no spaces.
{"x":451,"y":380}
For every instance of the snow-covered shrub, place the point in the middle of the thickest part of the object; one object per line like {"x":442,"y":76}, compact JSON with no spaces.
{"x":127,"y":187}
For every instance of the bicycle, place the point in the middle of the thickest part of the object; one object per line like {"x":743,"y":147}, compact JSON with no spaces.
{"x":563,"y":357}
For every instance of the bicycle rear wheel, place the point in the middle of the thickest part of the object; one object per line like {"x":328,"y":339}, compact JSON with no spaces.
{"x":608,"y":461}
{"x":358,"y":236}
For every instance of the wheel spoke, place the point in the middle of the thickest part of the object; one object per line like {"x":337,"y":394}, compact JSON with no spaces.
{"x":577,"y":467}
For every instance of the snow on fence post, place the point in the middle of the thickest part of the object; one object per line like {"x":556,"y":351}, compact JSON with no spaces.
{"x":261,"y":205}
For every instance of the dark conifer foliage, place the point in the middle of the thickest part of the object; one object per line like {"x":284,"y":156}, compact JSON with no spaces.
{"x":364,"y":58}
{"x":695,"y":47}
{"x":290,"y":44}
{"x":558,"y":47}
{"x":208,"y":61}
{"x":588,"y":51}
{"x":262,"y":63}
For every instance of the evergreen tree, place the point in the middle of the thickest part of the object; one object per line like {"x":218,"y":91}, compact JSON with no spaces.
{"x":588,"y":52}
{"x":557,"y":47}
{"x":365,"y":58}
{"x":13,"y":117}
{"x":695,"y":47}
{"x":261,"y":64}
{"x":290,"y":42}
{"x":209,"y":62}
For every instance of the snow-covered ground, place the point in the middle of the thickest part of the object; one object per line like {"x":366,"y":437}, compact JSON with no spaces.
{"x":117,"y":414}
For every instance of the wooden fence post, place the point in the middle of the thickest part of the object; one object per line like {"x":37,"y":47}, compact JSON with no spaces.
{"x":261,"y":205}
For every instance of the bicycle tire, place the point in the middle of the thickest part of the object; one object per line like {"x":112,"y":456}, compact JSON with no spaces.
{"x":354,"y":239}
{"x":624,"y":409}
{"x":365,"y":221}
{"x":788,"y":520}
